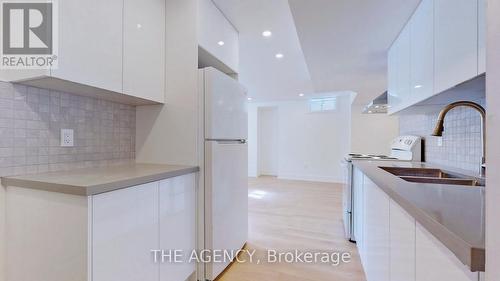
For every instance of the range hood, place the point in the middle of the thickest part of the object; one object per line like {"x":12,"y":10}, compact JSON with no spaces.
{"x":378,"y":105}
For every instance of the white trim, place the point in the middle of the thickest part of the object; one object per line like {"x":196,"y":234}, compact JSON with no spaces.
{"x":313,"y":178}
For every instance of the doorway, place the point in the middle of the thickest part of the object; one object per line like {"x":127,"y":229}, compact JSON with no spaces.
{"x":267,"y":145}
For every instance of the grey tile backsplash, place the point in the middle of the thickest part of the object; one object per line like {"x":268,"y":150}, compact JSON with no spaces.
{"x":30,"y":124}
{"x":461,"y":142}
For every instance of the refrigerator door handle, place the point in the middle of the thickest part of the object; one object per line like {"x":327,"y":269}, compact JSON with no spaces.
{"x":226,"y":141}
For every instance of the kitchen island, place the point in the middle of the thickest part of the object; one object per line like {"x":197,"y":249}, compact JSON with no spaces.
{"x":425,"y":231}
{"x":100,"y":223}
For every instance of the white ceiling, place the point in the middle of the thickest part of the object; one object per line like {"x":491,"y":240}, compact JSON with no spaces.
{"x":266,"y":77}
{"x":345,"y":42}
{"x":342,"y":45}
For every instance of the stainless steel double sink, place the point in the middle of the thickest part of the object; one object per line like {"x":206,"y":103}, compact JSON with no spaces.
{"x":433,"y":176}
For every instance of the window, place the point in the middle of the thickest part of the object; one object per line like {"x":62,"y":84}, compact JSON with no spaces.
{"x":322,"y":104}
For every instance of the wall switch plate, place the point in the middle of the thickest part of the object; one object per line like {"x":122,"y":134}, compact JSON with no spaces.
{"x":67,"y":138}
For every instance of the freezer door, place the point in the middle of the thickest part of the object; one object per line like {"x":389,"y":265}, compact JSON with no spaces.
{"x":226,"y":199}
{"x":225,"y":106}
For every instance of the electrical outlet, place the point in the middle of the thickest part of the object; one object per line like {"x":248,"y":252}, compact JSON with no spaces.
{"x":67,"y":138}
{"x":440,"y":141}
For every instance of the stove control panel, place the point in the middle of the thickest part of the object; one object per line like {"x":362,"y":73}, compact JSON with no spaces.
{"x":407,"y":148}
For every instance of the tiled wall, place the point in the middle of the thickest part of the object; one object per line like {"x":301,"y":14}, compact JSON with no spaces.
{"x":461,"y":139}
{"x":30,"y":124}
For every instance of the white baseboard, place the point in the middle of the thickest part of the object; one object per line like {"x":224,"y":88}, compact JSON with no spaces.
{"x":328,"y":179}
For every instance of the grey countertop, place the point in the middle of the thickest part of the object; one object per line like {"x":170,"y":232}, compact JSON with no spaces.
{"x":86,"y":182}
{"x":453,"y":214}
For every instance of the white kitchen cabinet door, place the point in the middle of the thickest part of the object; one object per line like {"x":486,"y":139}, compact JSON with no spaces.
{"x":402,"y":244}
{"x":144,"y":49}
{"x":124,"y":231}
{"x":358,"y":210}
{"x":90,"y":43}
{"x":422,"y":52}
{"x":217,"y":35}
{"x":434,"y":262}
{"x":178,"y":224}
{"x":399,"y":67}
{"x":376,"y":232}
{"x":455,"y":42}
{"x":481,"y":36}
{"x":392,"y":83}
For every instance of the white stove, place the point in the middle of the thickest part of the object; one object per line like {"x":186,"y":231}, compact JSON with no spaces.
{"x":356,"y":156}
{"x":403,"y":148}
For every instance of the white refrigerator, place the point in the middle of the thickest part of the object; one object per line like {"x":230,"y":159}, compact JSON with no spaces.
{"x":225,"y":162}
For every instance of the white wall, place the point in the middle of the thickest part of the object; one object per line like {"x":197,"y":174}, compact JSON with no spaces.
{"x":2,"y":234}
{"x":268,"y":143}
{"x":168,"y":133}
{"x":372,"y":133}
{"x":311,"y":145}
{"x":493,"y":139}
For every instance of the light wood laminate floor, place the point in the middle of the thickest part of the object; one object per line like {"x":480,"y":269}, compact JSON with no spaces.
{"x":287,"y":215}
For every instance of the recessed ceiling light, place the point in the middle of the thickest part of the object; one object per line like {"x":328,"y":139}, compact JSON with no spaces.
{"x":301,"y":95}
{"x":418,"y":86}
{"x":249,"y":98}
{"x":267,"y":33}
{"x":279,"y":56}
{"x":221,"y":43}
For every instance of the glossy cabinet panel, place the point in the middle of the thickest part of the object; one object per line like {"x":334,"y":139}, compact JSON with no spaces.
{"x":446,"y":47}
{"x":124,"y":231}
{"x":215,"y":28}
{"x":128,"y":223}
{"x":434,"y":262}
{"x":358,"y":183}
{"x":399,"y":94}
{"x":113,"y":50}
{"x":402,"y":244}
{"x":395,"y":247}
{"x":455,"y":42}
{"x":178,"y":224}
{"x":144,"y":49}
{"x":90,"y":43}
{"x":422,"y":52}
{"x":376,"y":233}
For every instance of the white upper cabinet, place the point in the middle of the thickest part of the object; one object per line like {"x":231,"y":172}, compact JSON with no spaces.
{"x":392,"y":75}
{"x":422,"y":52}
{"x":144,"y":49}
{"x":114,"y":50}
{"x":90,"y":43}
{"x":446,"y":47}
{"x":217,"y":36}
{"x":481,"y":36}
{"x":455,"y":42}
{"x":399,"y":72}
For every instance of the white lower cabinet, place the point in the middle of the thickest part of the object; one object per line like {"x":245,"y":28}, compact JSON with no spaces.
{"x":128,"y":224}
{"x":434,"y":262}
{"x":178,"y":224}
{"x":376,"y":232}
{"x":124,"y":231}
{"x":393,"y":246}
{"x":402,"y":244}
{"x":358,"y":183}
